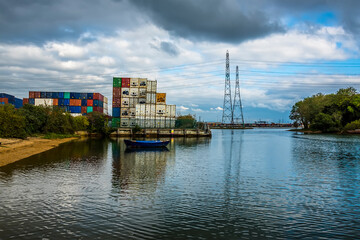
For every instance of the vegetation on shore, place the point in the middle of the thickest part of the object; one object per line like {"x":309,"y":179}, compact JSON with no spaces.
{"x":52,"y":121}
{"x":330,"y":112}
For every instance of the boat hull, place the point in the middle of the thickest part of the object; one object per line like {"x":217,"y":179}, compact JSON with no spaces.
{"x":146,"y":144}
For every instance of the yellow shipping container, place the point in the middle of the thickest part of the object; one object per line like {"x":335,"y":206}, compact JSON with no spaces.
{"x":161,"y":98}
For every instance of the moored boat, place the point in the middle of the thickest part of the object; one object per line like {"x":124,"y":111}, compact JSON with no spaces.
{"x":145,"y":144}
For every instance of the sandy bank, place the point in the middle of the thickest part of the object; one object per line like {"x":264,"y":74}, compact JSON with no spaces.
{"x":12,"y":150}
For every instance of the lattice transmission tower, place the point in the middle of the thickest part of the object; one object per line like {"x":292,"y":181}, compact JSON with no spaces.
{"x":237,"y":113}
{"x":227,"y":116}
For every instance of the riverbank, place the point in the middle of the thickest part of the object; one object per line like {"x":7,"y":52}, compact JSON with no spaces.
{"x":12,"y":150}
{"x":307,"y":131}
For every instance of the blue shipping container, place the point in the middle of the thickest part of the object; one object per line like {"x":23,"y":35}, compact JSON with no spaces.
{"x":90,"y":96}
{"x":96,"y":103}
{"x":66,"y":102}
{"x":65,"y":108}
{"x":42,"y":94}
{"x":48,"y":94}
{"x":61,"y":94}
{"x":83,"y":95}
{"x":32,"y":101}
{"x":72,"y":95}
{"x":116,"y":112}
{"x":83,"y":102}
{"x":18,"y":103}
{"x":55,"y":95}
{"x":101,"y":104}
{"x":75,"y":109}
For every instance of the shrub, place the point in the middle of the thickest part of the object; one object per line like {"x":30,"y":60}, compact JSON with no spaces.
{"x":325,"y":123}
{"x":353,"y":125}
{"x":35,"y":118}
{"x":59,"y":122}
{"x":80,"y":123}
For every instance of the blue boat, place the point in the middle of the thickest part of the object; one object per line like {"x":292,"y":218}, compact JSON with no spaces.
{"x":145,"y":144}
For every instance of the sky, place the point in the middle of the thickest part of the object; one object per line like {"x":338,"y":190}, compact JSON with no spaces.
{"x":285,"y":50}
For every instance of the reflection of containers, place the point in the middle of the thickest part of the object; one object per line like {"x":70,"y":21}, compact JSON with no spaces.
{"x":151,"y":98}
{"x":116,"y":112}
{"x":133,"y":102}
{"x":125,"y":112}
{"x":134,"y":82}
{"x":170,"y":111}
{"x":160,"y":110}
{"x":134,"y":92}
{"x":125,"y":82}
{"x":142,"y":92}
{"x":142,"y":82}
{"x":43,"y":102}
{"x":125,"y":92}
{"x":116,"y":82}
{"x":151,"y":86}
{"x":124,"y":102}
{"x":124,"y":122}
{"x":161,"y":98}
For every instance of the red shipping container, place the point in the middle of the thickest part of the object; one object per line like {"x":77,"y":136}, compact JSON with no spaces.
{"x":90,"y":103}
{"x":36,"y":94}
{"x":96,"y":96}
{"x":75,"y":102}
{"x":125,"y":82}
{"x":83,"y":109}
{"x":4,"y":100}
{"x":25,"y":101}
{"x":56,"y":102}
{"x":31,"y":94}
{"x":117,"y":92}
{"x":101,"y":97}
{"x":116,"y":105}
{"x":96,"y":109}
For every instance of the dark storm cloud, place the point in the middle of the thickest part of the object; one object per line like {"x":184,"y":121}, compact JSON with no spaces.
{"x":209,"y":19}
{"x":169,"y":48}
{"x":41,"y":20}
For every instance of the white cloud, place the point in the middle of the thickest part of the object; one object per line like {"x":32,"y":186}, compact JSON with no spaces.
{"x":182,"y":108}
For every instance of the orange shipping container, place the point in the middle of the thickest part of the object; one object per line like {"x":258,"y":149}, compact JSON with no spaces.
{"x":31,"y":94}
{"x":25,"y":101}
{"x":4,"y":100}
{"x":55,"y":102}
{"x":75,"y":102}
{"x":90,"y":103}
{"x":161,"y":98}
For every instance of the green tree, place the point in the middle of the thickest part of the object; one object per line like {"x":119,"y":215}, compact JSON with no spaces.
{"x":98,"y":123}
{"x":59,"y":122}
{"x":12,"y":124}
{"x":80,"y":123}
{"x":35,"y":118}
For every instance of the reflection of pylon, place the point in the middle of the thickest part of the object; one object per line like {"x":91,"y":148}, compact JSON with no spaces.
{"x":227,"y":107}
{"x":237,"y":113}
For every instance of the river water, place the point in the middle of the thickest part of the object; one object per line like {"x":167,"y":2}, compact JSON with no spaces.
{"x":241,"y":184}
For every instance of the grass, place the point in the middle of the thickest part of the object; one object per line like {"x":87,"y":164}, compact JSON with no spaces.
{"x":58,"y":136}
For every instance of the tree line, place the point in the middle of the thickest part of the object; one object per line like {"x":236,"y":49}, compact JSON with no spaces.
{"x":31,"y":120}
{"x":329,"y":112}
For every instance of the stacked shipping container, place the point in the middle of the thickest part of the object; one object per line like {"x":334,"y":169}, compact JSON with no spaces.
{"x":135,"y":102}
{"x":74,"y":102}
{"x":10,"y":99}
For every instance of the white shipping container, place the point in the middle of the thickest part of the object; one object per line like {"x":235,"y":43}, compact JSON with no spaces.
{"x":125,"y":102}
{"x":133,"y":102}
{"x":161,"y":110}
{"x":106,"y":100}
{"x":142,"y":100}
{"x":132,"y":122}
{"x":124,"y":112}
{"x":142,"y":82}
{"x":142,"y":92}
{"x":125,"y":92}
{"x":150,"y":110}
{"x":132,"y":112}
{"x":76,"y":114}
{"x":124,"y":122}
{"x":172,"y":123}
{"x":170,"y":111}
{"x":151,"y":98}
{"x":160,"y":122}
{"x":150,"y":123}
{"x":134,"y":92}
{"x":105,"y":108}
{"x":134,"y":82}
{"x":43,"y":102}
{"x":151,"y":86}
{"x":140,"y":110}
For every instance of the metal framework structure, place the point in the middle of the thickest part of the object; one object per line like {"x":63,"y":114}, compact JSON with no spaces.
{"x":237,"y":113}
{"x":227,"y":116}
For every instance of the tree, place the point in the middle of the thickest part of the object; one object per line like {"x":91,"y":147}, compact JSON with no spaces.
{"x":97,"y":123}
{"x":12,"y":124}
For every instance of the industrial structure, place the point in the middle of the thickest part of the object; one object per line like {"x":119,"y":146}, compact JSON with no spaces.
{"x":232,"y":112}
{"x":136,"y":102}
{"x":10,"y":99}
{"x":75,"y":103}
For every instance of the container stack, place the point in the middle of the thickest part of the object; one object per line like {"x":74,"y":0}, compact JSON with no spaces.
{"x":74,"y":102}
{"x":10,"y":99}
{"x":136,"y":102}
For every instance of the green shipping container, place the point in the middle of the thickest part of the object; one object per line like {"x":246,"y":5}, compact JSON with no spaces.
{"x":67,"y":95}
{"x":115,"y":123}
{"x":116,"y":82}
{"x":89,"y":109}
